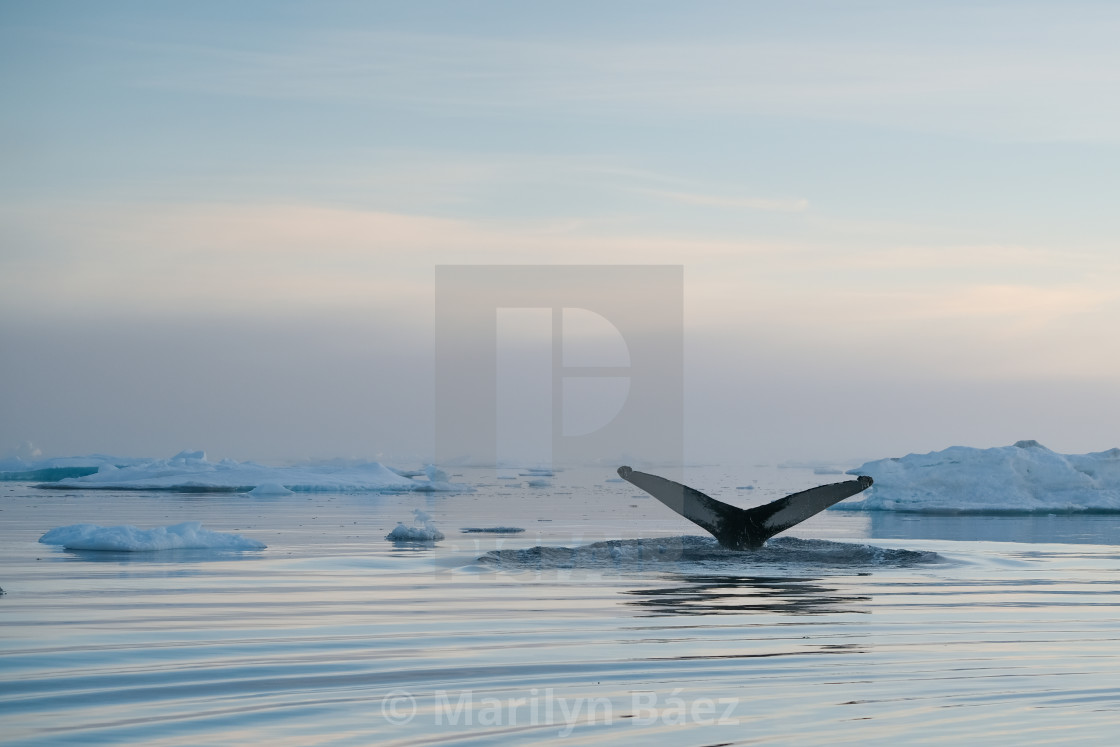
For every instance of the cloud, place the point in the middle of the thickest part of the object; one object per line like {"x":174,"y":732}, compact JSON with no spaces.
{"x":1045,"y":85}
{"x":108,"y":303}
{"x":1003,"y":303}
{"x":748,"y":203}
{"x":1030,"y":305}
{"x":245,"y":255}
{"x":161,"y":258}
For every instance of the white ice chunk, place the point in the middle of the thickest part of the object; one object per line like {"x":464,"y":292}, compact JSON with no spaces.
{"x":191,"y":470}
{"x":1025,"y":477}
{"x":425,"y":531}
{"x":435,"y":474}
{"x":186,"y":536}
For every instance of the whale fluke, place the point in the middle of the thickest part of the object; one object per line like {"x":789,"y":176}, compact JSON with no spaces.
{"x":738,"y":528}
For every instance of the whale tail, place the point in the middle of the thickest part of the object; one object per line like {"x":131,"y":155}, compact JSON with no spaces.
{"x":738,"y":528}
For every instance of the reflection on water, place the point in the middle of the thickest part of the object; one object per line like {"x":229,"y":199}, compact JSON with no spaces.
{"x":334,"y":635}
{"x":1093,"y":529}
{"x":163,"y":557}
{"x":724,"y":594}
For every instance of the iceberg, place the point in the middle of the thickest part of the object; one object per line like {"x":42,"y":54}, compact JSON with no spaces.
{"x":19,"y":469}
{"x":425,"y":532}
{"x":1025,"y":477}
{"x":191,"y":471}
{"x":186,"y":536}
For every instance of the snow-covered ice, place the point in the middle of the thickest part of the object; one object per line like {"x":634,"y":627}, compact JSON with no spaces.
{"x":186,"y":536}
{"x":192,"y":471}
{"x":1025,"y":477}
{"x":26,"y":469}
{"x":423,"y":531}
{"x":435,"y":474}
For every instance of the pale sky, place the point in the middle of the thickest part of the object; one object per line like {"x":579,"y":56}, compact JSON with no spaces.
{"x":898,"y":221}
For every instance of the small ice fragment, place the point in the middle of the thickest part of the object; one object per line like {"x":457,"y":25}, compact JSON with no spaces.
{"x":493,"y":530}
{"x":426,"y":532}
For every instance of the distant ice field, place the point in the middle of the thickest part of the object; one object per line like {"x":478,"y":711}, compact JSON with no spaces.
{"x":607,"y":620}
{"x":1024,"y":477}
{"x":191,"y":471}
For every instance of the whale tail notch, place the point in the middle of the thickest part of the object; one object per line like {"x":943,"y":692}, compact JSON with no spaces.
{"x":739,"y":528}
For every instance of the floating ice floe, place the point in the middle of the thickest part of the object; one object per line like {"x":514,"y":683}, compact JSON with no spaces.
{"x":425,"y":532}
{"x":191,"y":471}
{"x":1023,"y":478}
{"x":56,"y":468}
{"x":186,"y":536}
{"x":492,"y":530}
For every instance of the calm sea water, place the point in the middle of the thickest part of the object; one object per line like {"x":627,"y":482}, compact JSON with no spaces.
{"x":994,"y":629}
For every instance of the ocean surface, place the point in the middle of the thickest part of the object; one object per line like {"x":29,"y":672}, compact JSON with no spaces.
{"x":608,"y":620}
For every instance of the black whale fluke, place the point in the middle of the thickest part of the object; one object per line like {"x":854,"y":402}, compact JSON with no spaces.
{"x":738,"y":528}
